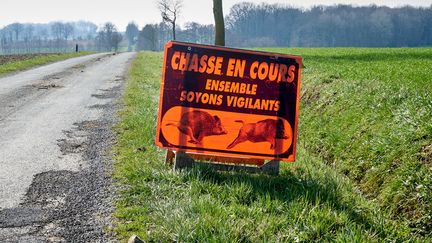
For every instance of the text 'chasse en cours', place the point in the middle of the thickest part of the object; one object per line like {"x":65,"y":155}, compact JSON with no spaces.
{"x":236,"y":68}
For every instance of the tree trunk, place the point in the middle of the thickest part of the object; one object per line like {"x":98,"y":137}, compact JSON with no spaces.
{"x":219,"y":23}
{"x":173,"y":29}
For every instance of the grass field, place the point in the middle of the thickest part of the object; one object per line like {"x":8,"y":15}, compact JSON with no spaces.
{"x":368,"y":114}
{"x":13,"y":63}
{"x":363,"y":171}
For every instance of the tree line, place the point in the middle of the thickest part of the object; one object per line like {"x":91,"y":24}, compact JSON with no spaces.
{"x":246,"y":25}
{"x":259,"y":25}
{"x":50,"y":37}
{"x":256,"y":25}
{"x":154,"y":36}
{"x":58,"y":36}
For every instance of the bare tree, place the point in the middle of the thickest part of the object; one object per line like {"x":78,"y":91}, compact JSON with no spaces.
{"x":17,"y":28}
{"x":148,"y":38}
{"x":49,"y":37}
{"x":8,"y":34}
{"x":132,"y":32}
{"x":116,"y":38}
{"x":57,"y":30}
{"x":109,"y":28}
{"x":68,"y":30}
{"x":219,"y":23}
{"x":170,"y":10}
{"x":108,"y":37}
{"x":3,"y":40}
{"x":28,"y":33}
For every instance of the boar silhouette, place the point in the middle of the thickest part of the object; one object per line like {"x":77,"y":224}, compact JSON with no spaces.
{"x":199,"y":124}
{"x":263,"y":131}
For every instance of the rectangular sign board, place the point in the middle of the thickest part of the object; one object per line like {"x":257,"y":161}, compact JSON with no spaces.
{"x":229,"y":102}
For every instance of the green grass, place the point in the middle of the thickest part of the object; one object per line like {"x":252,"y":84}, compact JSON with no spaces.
{"x":368,"y":114}
{"x":312,"y":199}
{"x":20,"y":63}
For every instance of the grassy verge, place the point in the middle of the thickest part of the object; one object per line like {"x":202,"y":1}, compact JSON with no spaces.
{"x":368,"y":113}
{"x":22,"y":62}
{"x":308,"y":201}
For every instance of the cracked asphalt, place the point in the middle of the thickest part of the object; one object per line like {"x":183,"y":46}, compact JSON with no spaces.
{"x":55,"y":140}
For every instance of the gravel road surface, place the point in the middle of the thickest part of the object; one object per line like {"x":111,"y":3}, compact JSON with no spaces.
{"x":55,"y":135}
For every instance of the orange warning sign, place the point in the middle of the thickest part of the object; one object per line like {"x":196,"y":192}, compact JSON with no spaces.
{"x":229,"y":102}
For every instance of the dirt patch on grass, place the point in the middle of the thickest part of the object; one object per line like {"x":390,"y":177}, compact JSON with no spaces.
{"x":426,"y":154}
{"x":310,"y":95}
{"x":4,"y":59}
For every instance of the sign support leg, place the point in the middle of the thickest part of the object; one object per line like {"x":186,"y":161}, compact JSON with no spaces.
{"x":182,"y":161}
{"x":271,"y":167}
{"x":169,"y":158}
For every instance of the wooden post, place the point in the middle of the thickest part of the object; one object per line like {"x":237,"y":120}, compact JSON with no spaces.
{"x":181,"y":160}
{"x":272,"y":167}
{"x":169,"y":159}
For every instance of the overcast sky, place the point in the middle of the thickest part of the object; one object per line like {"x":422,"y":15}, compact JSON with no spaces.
{"x":142,"y":11}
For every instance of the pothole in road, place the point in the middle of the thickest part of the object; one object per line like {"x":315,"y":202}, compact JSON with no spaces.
{"x":75,"y":141}
{"x":100,"y":106}
{"x":50,"y":189}
{"x":21,"y":234}
{"x":58,"y":75}
{"x":107,"y":93}
{"x":48,"y":86}
{"x":22,"y":216}
{"x":79,"y":66}
{"x":54,"y":201}
{"x":119,"y":78}
{"x":64,"y":206}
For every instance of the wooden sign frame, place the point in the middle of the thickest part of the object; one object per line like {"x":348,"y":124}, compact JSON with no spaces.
{"x":261,"y":124}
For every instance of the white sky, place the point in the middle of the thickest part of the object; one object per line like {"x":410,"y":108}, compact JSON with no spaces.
{"x":143,"y":11}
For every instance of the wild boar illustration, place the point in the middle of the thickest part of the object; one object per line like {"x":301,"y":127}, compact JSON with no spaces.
{"x":199,"y":124}
{"x":263,"y":131}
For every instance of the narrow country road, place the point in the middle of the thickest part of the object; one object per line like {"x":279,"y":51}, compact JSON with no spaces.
{"x":55,"y":135}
